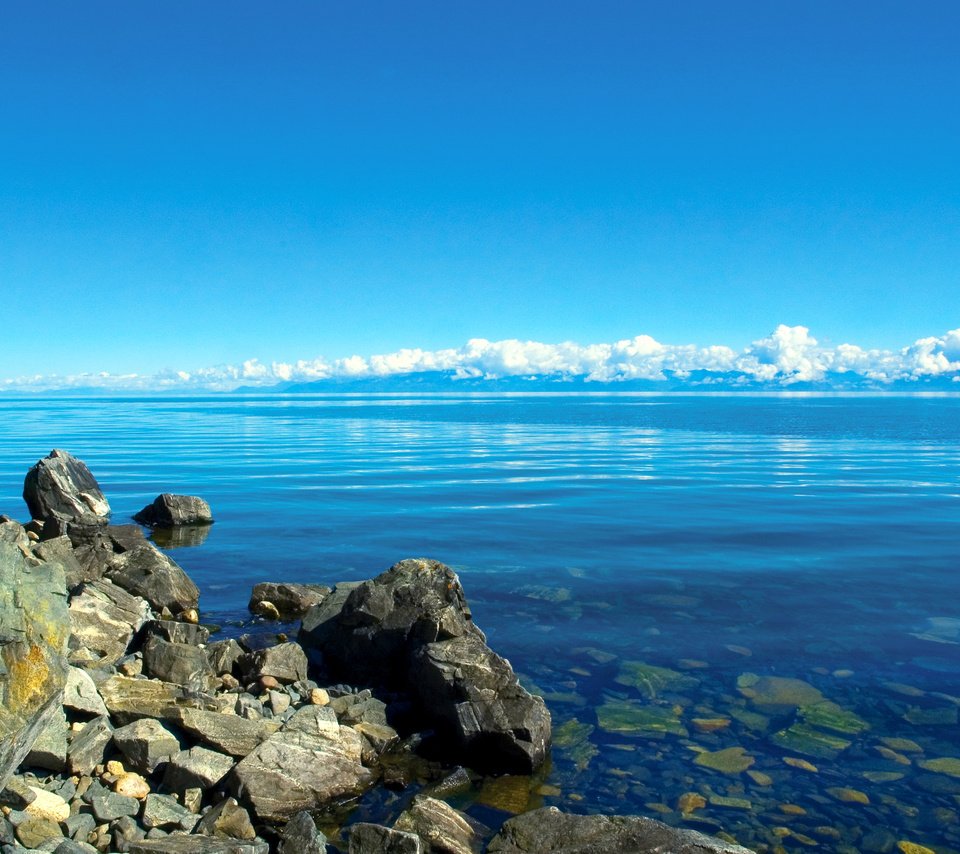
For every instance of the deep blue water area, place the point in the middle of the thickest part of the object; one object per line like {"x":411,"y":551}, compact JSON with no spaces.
{"x":748,"y":599}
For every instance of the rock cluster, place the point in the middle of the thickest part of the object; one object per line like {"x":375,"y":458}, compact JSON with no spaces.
{"x":133,"y":731}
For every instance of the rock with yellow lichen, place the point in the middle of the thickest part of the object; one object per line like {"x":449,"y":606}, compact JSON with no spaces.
{"x":34,"y":628}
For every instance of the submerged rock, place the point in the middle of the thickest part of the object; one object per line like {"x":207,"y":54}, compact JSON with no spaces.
{"x":169,"y":510}
{"x":34,"y":626}
{"x":60,"y":488}
{"x":549,"y":831}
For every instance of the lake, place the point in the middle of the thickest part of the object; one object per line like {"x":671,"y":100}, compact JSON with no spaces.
{"x":742,"y":611}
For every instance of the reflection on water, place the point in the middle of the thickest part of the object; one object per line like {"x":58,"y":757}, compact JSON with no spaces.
{"x":742,"y":611}
{"x":181,"y":536}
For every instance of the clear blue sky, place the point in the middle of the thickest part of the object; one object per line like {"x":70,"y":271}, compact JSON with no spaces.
{"x":186,"y":183}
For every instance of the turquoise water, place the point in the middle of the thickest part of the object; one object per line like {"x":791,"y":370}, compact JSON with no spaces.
{"x":724,"y":540}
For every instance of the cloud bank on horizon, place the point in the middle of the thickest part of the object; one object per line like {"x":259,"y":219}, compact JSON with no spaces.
{"x":789,"y":357}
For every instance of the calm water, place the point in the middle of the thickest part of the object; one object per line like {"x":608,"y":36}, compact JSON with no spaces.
{"x":726,"y":540}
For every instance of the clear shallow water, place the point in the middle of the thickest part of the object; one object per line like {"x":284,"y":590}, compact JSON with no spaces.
{"x":808,"y":538}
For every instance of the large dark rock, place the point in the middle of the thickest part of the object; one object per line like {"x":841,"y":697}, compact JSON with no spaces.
{"x":147,"y":572}
{"x":179,"y":663}
{"x":411,"y":628}
{"x":168,"y":510}
{"x":382,"y":622}
{"x":285,"y":662}
{"x":95,"y":547}
{"x":286,"y":601}
{"x":549,"y":831}
{"x":475,"y":698}
{"x":34,"y":627}
{"x":61,"y":488}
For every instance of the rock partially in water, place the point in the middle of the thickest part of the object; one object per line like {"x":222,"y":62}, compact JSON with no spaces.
{"x":168,"y":511}
{"x":288,"y":601}
{"x":473,"y":695}
{"x":439,"y":825}
{"x":549,"y":831}
{"x":411,"y":628}
{"x":60,"y":488}
{"x":34,"y":627}
{"x":147,"y":572}
{"x":368,"y":838}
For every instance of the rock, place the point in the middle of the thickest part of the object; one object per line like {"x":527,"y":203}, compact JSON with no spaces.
{"x":70,"y":846}
{"x":131,"y":785}
{"x":89,"y":746}
{"x":36,"y":831}
{"x":60,"y":550}
{"x":17,"y":794}
{"x":227,"y":733}
{"x":549,"y":831}
{"x":79,"y":826}
{"x":375,"y":839}
{"x":94,"y":548}
{"x":131,"y":699}
{"x":111,"y":806}
{"x":382,"y":622}
{"x":103,"y":619}
{"x":444,"y":829}
{"x":81,"y":695}
{"x":285,"y":662}
{"x":310,"y":762}
{"x":175,"y":631}
{"x":34,"y":628}
{"x":411,"y":627}
{"x":178,"y":663}
{"x":149,"y":573}
{"x":162,"y":811}
{"x":301,"y":836}
{"x":289,"y":601}
{"x":224,"y":655}
{"x":60,"y":487}
{"x":198,"y":845}
{"x":47,"y":805}
{"x":196,"y":768}
{"x":473,"y":696}
{"x":227,"y":820}
{"x":146,"y":743}
{"x":168,"y":511}
{"x":125,"y":830}
{"x":49,"y":751}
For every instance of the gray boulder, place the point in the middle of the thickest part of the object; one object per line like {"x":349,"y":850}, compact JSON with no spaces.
{"x":227,"y":820}
{"x":476,"y":700}
{"x":164,"y":812}
{"x":81,"y":695}
{"x":147,"y":572}
{"x":94,"y":548}
{"x":130,"y":699}
{"x":197,"y":768}
{"x":34,"y":628}
{"x":177,"y":632}
{"x":61,"y":488}
{"x":227,"y":733}
{"x":375,"y":839}
{"x":285,"y":662}
{"x":411,"y":628}
{"x":311,"y":762}
{"x":443,"y":829}
{"x":103,"y":621}
{"x":286,"y":601}
{"x":49,"y":751}
{"x":549,"y":831}
{"x":145,"y":744}
{"x":178,"y":663}
{"x":301,"y":836}
{"x":224,"y":655}
{"x":168,"y":511}
{"x":89,"y":746}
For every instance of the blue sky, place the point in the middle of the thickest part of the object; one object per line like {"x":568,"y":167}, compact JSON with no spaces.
{"x":184,"y":185}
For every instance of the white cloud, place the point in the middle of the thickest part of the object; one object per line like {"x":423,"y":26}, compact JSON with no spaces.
{"x":789,"y":355}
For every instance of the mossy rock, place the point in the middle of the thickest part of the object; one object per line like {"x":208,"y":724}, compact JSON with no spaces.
{"x":828,"y":715}
{"x":948,"y":765}
{"x":573,"y":740}
{"x":731,"y":760}
{"x":650,"y":680}
{"x":628,"y":716}
{"x":777,"y":692}
{"x":802,"y":738}
{"x":751,"y":720}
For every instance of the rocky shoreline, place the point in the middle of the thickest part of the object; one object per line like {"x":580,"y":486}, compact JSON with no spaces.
{"x":127,"y":726}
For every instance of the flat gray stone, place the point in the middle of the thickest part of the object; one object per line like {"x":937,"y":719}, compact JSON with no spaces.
{"x":81,"y":695}
{"x":111,"y":806}
{"x":196,"y":768}
{"x":130,"y":699}
{"x":162,"y":811}
{"x":89,"y":746}
{"x":49,"y":751}
{"x":229,"y":734}
{"x":145,"y":744}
